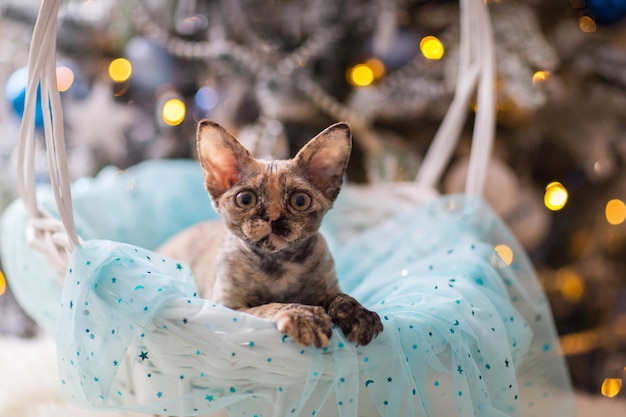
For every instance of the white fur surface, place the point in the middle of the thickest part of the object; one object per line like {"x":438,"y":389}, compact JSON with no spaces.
{"x":29,"y":382}
{"x":29,"y":386}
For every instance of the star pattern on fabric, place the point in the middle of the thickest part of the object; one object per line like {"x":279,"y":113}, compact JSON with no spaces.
{"x":420,"y":332}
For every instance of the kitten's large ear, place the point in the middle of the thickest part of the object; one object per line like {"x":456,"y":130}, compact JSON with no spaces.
{"x":325,"y":158}
{"x":222,"y":157}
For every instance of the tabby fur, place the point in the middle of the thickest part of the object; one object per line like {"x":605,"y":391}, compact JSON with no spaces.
{"x":267,"y":257}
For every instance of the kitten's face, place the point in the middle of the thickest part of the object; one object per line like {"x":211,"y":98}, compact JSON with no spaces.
{"x":272,"y":205}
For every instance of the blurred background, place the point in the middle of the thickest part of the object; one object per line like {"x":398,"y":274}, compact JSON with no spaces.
{"x":135,"y":76}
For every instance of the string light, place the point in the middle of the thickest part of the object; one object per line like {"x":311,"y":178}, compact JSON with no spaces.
{"x":431,"y":48}
{"x":377,"y":67}
{"x":578,"y":343}
{"x":615,"y":212}
{"x":3,"y":284}
{"x":173,"y":112}
{"x":556,"y":196}
{"x":65,"y":78}
{"x":120,"y":70}
{"x":360,"y":75}
{"x":587,"y":24}
{"x":570,"y":284}
{"x":505,"y":253}
{"x":540,"y":76}
{"x":611,"y":387}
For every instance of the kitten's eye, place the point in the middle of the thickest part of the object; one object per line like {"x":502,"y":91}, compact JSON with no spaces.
{"x":245,"y":199}
{"x":300,"y":201}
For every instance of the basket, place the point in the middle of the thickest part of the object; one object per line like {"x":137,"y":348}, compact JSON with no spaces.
{"x":467,"y":327}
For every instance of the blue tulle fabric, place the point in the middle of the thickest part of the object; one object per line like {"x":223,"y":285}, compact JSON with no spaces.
{"x":467,"y":328}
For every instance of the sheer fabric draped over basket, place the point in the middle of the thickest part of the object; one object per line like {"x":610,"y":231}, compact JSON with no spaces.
{"x":467,"y":327}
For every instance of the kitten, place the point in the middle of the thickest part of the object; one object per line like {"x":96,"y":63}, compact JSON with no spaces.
{"x":266,"y":257}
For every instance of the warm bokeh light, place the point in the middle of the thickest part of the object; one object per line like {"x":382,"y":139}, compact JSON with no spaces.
{"x":570,"y":284}
{"x":377,"y":67}
{"x":611,"y":387}
{"x":120,"y":70}
{"x":431,"y":47}
{"x":3,"y":284}
{"x":173,"y":112}
{"x":579,"y":342}
{"x":65,"y":78}
{"x":505,"y":253}
{"x":615,"y":211}
{"x":360,"y":75}
{"x":540,"y":76}
{"x":587,"y":24}
{"x":556,"y":196}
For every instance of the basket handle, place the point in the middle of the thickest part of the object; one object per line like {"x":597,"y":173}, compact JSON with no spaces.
{"x":476,"y":68}
{"x":55,"y":238}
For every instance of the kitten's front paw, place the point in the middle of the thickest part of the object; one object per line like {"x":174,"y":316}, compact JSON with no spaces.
{"x":307,"y":325}
{"x":359,"y":324}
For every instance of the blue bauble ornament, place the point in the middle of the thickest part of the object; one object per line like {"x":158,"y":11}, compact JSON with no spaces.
{"x":606,"y":12}
{"x":15,"y":93}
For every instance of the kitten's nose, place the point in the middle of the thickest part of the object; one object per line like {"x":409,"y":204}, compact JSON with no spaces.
{"x":280,"y":226}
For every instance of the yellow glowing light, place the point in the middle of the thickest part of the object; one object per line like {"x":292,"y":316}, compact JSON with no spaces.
{"x":3,"y":284}
{"x":377,"y":67}
{"x":173,"y":112}
{"x":571,"y":285}
{"x":556,"y":196}
{"x":65,"y":78}
{"x":505,"y":253}
{"x":615,"y":211}
{"x":540,"y":76}
{"x":120,"y":70}
{"x":361,"y":75}
{"x":587,"y":24}
{"x":431,"y":47}
{"x":611,"y":387}
{"x":580,"y":342}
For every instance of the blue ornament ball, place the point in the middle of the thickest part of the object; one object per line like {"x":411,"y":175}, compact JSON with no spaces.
{"x":606,"y":12}
{"x":15,"y":93}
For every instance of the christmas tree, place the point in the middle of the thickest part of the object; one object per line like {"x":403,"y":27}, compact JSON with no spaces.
{"x":136,"y":76}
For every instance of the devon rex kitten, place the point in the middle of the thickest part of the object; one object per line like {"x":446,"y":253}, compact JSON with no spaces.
{"x":267,"y":257}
